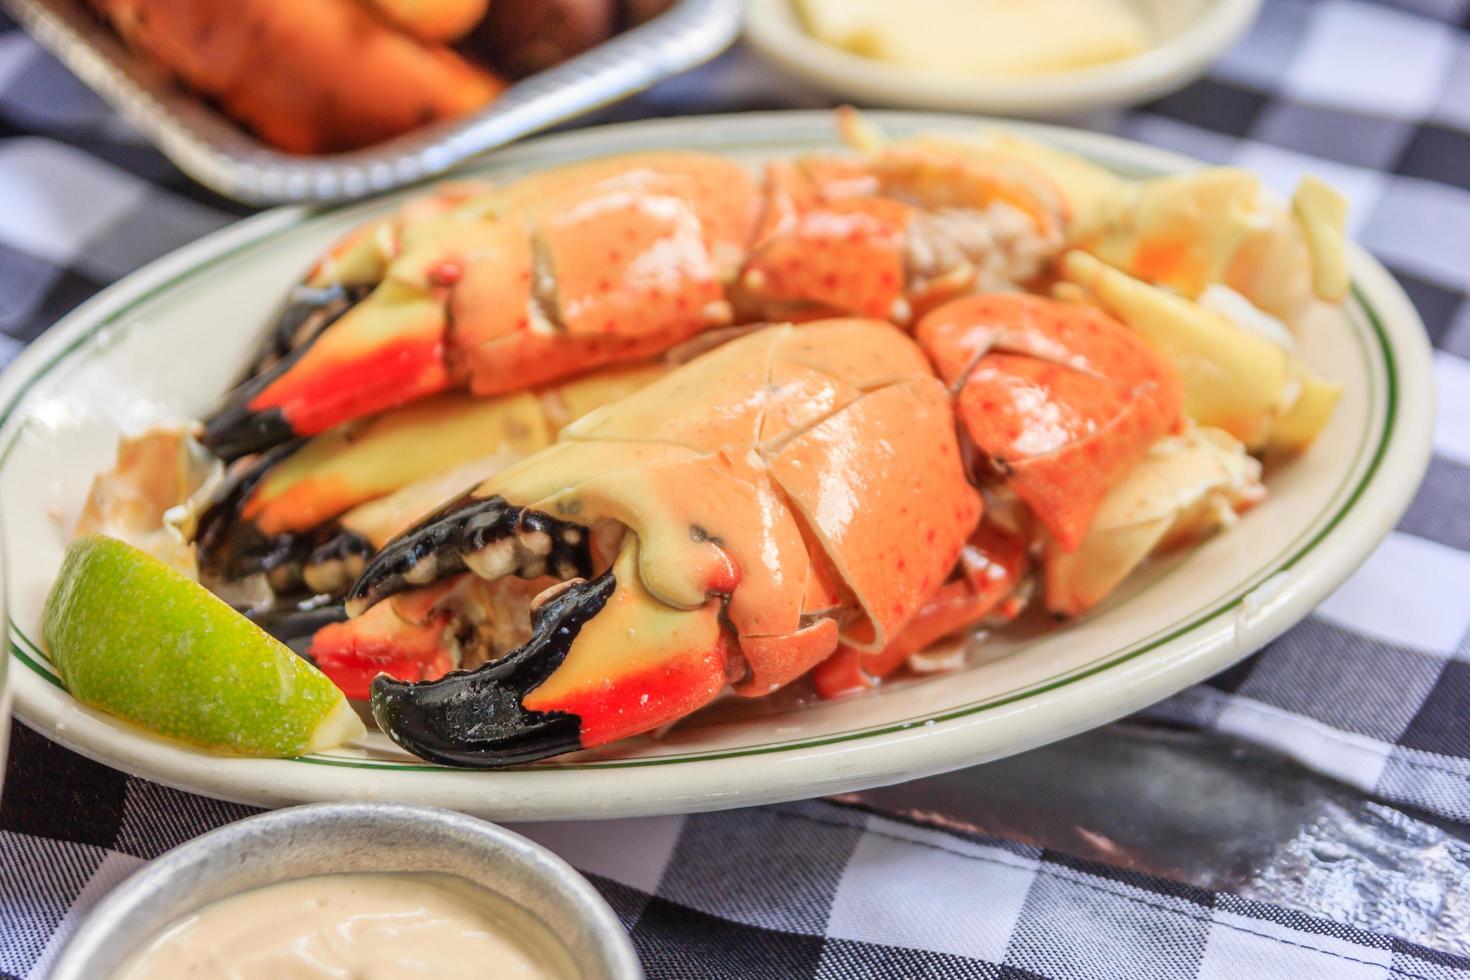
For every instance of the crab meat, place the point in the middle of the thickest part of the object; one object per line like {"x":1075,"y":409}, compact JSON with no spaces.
{"x":1235,"y":378}
{"x":155,"y":473}
{"x":1188,"y":486}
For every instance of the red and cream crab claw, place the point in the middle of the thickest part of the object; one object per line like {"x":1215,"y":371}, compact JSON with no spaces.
{"x":730,"y":524}
{"x":307,"y":515}
{"x":619,"y":259}
{"x":1058,"y":399}
{"x":497,"y":290}
{"x":1059,"y":403}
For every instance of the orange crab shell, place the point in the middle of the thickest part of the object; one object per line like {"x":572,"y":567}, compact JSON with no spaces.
{"x":826,"y":243}
{"x":992,"y":565}
{"x":834,"y":230}
{"x":639,"y":250}
{"x":1060,"y":397}
{"x":599,"y":263}
{"x":790,"y":471}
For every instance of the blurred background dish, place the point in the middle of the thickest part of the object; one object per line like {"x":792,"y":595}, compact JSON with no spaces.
{"x":1041,"y":58}
{"x":335,"y":75}
{"x":265,"y":104}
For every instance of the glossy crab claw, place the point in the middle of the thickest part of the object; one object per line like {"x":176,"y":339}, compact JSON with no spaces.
{"x":267,"y":408}
{"x":554,"y":694}
{"x":382,"y":352}
{"x":1060,"y":400}
{"x":755,"y":507}
{"x":277,"y":512}
{"x":308,"y":514}
{"x":308,"y":311}
{"x":501,"y":290}
{"x":477,"y":718}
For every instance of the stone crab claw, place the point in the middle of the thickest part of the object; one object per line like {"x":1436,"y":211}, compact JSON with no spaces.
{"x":898,"y":227}
{"x":1059,"y":400}
{"x":730,"y":524}
{"x":306,"y":515}
{"x":986,"y":587}
{"x":495,"y":290}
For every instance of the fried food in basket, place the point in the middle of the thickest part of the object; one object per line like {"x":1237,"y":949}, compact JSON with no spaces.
{"x":313,"y":76}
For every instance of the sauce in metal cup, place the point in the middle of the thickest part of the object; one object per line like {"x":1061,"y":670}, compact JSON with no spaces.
{"x":542,"y":899}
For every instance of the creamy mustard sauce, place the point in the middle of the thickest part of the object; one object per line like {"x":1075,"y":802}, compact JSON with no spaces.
{"x":982,"y":37}
{"x":358,"y":926}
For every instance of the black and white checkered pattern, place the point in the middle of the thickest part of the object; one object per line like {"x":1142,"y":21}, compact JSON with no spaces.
{"x":1374,"y":689}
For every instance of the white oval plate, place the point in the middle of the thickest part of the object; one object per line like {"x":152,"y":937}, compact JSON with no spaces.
{"x":166,"y":341}
{"x":1190,"y":34}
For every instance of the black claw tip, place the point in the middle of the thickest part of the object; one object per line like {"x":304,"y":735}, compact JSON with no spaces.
{"x":295,"y":623}
{"x":464,"y":534}
{"x":420,"y":555}
{"x":324,"y":559}
{"x":475,"y":718}
{"x":335,"y":562}
{"x":237,"y":430}
{"x":230,"y":547}
{"x":308,"y":311}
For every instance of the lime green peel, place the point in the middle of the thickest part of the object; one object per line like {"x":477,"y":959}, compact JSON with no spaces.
{"x":137,"y":639}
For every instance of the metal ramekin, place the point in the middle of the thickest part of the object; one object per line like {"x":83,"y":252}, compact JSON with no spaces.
{"x":335,"y":838}
{"x":216,"y":152}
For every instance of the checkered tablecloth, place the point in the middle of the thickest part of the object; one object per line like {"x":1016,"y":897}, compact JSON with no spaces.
{"x":1374,"y":689}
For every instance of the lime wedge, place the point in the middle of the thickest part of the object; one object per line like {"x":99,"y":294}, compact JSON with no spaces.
{"x":139,"y":640}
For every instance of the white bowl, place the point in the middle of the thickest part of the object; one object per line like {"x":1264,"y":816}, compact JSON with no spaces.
{"x":164,"y":342}
{"x":1191,"y":33}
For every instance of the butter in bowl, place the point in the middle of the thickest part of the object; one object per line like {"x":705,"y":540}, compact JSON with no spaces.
{"x":1004,"y":57}
{"x":982,"y":37}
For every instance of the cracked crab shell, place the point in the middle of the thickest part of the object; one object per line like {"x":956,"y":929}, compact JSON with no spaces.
{"x":804,"y":473}
{"x":1061,"y":398}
